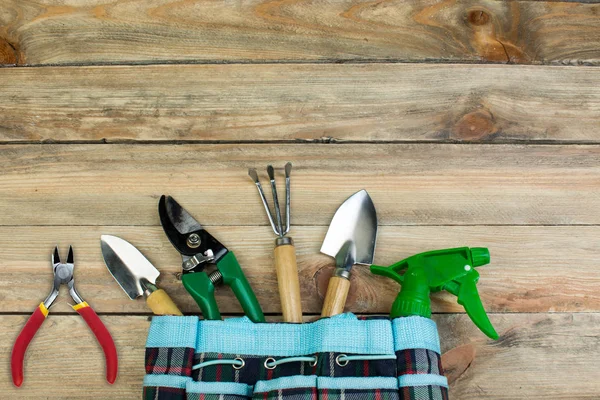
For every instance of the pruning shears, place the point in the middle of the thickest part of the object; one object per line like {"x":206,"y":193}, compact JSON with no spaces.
{"x":198,"y":249}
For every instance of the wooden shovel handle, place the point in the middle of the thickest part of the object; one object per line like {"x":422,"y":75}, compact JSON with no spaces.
{"x":335,"y":299}
{"x":161,"y":304}
{"x":288,"y":282}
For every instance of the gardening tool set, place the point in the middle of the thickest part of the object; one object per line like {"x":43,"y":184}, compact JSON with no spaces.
{"x":336,"y":356}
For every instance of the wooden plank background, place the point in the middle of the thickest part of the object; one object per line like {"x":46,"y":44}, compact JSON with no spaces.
{"x":39,"y":32}
{"x":107,"y":104}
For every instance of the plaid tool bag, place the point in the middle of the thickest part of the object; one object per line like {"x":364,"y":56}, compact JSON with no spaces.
{"x":336,"y":358}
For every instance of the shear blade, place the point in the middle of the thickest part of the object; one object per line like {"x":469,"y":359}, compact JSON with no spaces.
{"x":181,"y":220}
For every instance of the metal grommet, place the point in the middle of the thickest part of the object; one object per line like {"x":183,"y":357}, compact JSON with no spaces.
{"x":340,"y":362}
{"x":239,"y":366}
{"x":314,"y":363}
{"x":268,"y":361}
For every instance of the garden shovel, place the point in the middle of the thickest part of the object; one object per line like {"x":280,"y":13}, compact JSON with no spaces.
{"x":135,"y":274}
{"x":351,"y":240}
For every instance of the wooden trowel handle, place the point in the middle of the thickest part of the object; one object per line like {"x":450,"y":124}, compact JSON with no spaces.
{"x":335,"y":299}
{"x":161,"y":304}
{"x":288,"y":282}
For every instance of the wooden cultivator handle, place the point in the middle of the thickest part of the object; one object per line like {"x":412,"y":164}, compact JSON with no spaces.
{"x":288,"y":282}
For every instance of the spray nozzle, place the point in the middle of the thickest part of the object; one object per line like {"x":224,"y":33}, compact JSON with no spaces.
{"x":452,"y":270}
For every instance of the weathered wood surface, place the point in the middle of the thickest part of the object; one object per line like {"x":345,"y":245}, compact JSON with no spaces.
{"x":538,"y":356}
{"x":371,"y":102}
{"x":410,"y":184}
{"x":532,"y":269}
{"x":523,"y":180}
{"x":118,"y":31}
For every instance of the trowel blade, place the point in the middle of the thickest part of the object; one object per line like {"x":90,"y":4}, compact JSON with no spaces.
{"x":127,"y":265}
{"x":355,"y":221}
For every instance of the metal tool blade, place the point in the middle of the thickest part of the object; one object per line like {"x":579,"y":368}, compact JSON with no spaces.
{"x":127,"y":265}
{"x":346,"y":256}
{"x":354,"y":221}
{"x":180,"y":218}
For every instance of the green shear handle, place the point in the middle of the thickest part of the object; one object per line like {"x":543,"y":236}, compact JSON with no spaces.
{"x":202,"y":289}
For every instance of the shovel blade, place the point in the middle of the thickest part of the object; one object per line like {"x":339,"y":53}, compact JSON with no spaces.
{"x":354,"y":221}
{"x":127,"y":265}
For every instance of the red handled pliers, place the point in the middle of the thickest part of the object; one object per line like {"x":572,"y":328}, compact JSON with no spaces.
{"x":63,"y":274}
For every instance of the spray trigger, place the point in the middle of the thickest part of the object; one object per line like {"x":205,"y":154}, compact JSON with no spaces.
{"x":452,"y":270}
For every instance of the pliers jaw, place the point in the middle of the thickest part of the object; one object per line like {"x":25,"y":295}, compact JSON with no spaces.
{"x":196,"y":246}
{"x":63,"y":275}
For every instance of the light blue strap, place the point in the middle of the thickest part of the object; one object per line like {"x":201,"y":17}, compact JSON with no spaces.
{"x":275,"y":363}
{"x":422,"y":380}
{"x":288,"y":382}
{"x":344,"y":358}
{"x":172,"y":381}
{"x":288,"y":340}
{"x":357,"y":383}
{"x":222,"y":388}
{"x":234,"y":362}
{"x":415,"y":333}
{"x":171,"y":331}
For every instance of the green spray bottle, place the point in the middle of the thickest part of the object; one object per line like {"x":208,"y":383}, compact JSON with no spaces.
{"x":452,"y":270}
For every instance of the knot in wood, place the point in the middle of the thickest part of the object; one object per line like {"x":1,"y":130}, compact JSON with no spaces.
{"x":478,"y":17}
{"x":475,"y":125}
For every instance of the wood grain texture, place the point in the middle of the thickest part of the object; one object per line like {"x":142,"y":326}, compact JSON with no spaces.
{"x":538,"y":356}
{"x":409,"y":184}
{"x":119,"y":31}
{"x":532,"y":269}
{"x":300,"y":103}
{"x":533,"y":353}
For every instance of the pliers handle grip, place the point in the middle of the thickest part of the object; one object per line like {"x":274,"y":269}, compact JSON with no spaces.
{"x":36,"y":320}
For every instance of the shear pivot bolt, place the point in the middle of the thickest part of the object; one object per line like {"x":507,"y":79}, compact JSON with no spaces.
{"x":193,"y":240}
{"x":467,"y":267}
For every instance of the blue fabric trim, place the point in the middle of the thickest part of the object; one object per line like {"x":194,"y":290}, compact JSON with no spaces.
{"x":171,"y":331}
{"x":422,"y":380}
{"x":357,"y":383}
{"x":342,"y":333}
{"x":415,"y":333}
{"x":287,"y":382}
{"x":172,"y":381}
{"x":225,"y":388}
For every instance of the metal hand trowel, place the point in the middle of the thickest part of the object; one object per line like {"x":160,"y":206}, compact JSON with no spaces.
{"x":350,"y":240}
{"x":135,"y":274}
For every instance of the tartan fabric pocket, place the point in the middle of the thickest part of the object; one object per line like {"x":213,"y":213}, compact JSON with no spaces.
{"x":252,"y":372}
{"x":165,"y":387}
{"x":287,"y":388}
{"x":163,"y":393}
{"x":169,"y":360}
{"x":288,"y":394}
{"x":430,"y":392}
{"x":236,"y":359}
{"x":356,"y":394}
{"x":418,"y":361}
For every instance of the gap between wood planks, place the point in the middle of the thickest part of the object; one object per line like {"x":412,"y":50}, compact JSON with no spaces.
{"x":579,"y":63}
{"x":323,"y":141}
